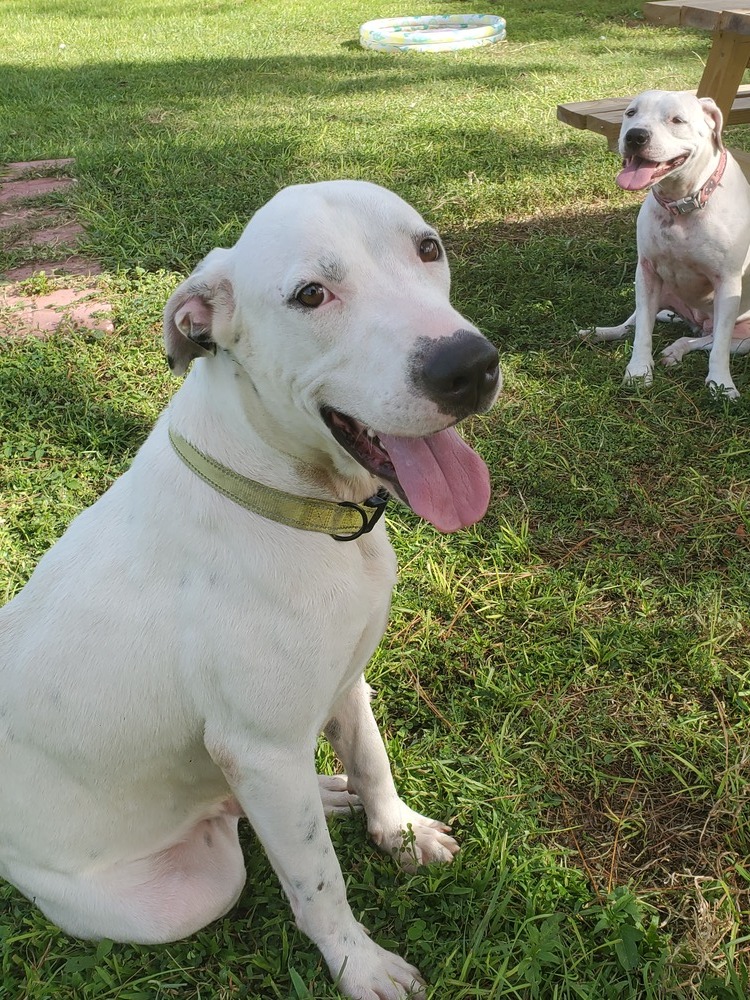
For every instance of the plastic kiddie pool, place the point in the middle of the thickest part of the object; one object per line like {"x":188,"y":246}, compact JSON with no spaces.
{"x":432,"y":33}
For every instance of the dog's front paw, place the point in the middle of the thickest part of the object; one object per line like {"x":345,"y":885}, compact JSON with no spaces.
{"x":639,"y":373}
{"x":722,"y":388}
{"x":365,"y":971}
{"x":415,"y":840}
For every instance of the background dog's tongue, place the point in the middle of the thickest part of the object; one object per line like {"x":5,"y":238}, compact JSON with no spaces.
{"x":444,"y":480}
{"x":636,"y":174}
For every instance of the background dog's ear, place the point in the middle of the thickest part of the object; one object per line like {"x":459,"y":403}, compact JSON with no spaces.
{"x":713,"y":114}
{"x":196,"y":310}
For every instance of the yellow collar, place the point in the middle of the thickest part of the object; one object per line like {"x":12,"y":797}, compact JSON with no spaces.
{"x":343,"y":521}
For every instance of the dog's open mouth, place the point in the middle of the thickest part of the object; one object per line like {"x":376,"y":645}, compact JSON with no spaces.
{"x":439,"y":476}
{"x":638,"y":173}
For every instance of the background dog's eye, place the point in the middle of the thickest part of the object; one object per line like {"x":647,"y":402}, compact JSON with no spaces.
{"x":429,"y":250}
{"x":630,"y":112}
{"x":312,"y":296}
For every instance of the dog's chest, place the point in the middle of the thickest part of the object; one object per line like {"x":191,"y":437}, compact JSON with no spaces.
{"x":294,"y":625}
{"x":687,"y":259}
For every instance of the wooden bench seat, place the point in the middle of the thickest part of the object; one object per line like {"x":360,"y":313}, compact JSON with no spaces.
{"x":605,"y":117}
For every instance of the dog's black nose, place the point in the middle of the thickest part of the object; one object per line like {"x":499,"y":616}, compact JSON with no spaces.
{"x":636,"y":137}
{"x":460,"y":373}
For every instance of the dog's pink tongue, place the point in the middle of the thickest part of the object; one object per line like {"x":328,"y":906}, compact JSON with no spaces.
{"x":444,"y":480}
{"x":636,"y":174}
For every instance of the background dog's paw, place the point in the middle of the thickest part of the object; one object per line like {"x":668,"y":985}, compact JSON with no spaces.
{"x":416,"y":840}
{"x":599,"y":334}
{"x":638,"y":374}
{"x":365,"y":971}
{"x":335,"y":795}
{"x":725,"y":388}
{"x":674,"y":354}
{"x":668,"y":316}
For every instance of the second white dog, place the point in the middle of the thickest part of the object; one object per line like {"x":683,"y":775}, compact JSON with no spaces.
{"x":693,"y":234}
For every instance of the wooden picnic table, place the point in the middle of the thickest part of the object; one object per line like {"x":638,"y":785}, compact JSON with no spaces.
{"x":729,"y":24}
{"x":728,"y":57}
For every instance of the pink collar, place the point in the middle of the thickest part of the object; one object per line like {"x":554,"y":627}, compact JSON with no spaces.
{"x":698,"y":199}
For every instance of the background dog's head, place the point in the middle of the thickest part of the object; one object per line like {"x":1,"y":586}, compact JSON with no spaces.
{"x":668,"y":134}
{"x":334,"y":308}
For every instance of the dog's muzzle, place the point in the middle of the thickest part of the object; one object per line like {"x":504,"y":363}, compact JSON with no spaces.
{"x":636,"y":139}
{"x":459,"y":373}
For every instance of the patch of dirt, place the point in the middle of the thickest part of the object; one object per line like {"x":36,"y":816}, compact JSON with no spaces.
{"x":24,"y":310}
{"x":684,"y":856}
{"x":31,"y":168}
{"x":632,"y":832}
{"x":35,"y":187}
{"x":40,"y":315}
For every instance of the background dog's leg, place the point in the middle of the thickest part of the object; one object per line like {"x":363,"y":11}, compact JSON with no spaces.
{"x":648,"y":288}
{"x":412,"y":838}
{"x":609,"y":332}
{"x":726,"y":311}
{"x":673,"y":354}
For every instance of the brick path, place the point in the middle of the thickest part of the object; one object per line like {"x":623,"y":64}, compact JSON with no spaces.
{"x":26,"y":224}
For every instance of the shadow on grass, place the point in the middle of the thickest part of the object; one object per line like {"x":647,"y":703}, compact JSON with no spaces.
{"x":539,"y":22}
{"x":532,"y":283}
{"x":357,"y":71}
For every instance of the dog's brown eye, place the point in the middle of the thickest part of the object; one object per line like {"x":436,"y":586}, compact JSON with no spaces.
{"x":311,"y":296}
{"x":429,"y":250}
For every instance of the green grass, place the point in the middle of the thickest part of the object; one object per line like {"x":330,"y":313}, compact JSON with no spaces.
{"x":568,"y":682}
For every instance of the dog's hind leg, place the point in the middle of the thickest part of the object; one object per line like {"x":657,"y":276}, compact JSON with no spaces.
{"x":410,"y":837}
{"x":600,"y":333}
{"x":676,"y":351}
{"x":335,"y":795}
{"x":153,"y":900}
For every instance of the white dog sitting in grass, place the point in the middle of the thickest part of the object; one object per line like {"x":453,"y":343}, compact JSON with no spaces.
{"x":170,"y":664}
{"x":693,"y":235}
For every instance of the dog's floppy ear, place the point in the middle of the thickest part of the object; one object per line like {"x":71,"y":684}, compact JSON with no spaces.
{"x":713,"y":114}
{"x":196,"y":311}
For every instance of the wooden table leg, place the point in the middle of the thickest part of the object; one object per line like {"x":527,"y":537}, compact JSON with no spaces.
{"x":725,"y":66}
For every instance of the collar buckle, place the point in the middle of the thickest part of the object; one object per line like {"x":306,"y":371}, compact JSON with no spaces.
{"x":684,"y":206}
{"x":698,"y":199}
{"x":370,"y":510}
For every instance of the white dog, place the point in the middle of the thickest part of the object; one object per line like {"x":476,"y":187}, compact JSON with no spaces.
{"x":693,"y":234}
{"x":172,"y":660}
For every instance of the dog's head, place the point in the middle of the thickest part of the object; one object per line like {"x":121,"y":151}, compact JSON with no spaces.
{"x":333,"y":309}
{"x":667,"y":134}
